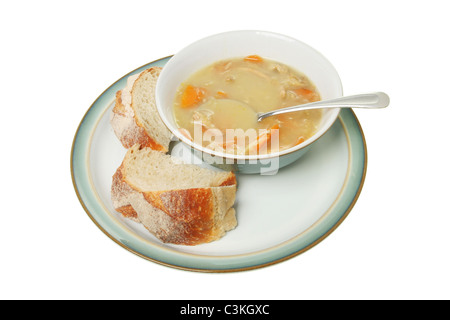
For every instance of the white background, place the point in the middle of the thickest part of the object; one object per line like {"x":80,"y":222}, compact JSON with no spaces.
{"x":57,"y":58}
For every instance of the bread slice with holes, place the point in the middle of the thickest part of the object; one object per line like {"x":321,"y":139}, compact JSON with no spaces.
{"x":135,"y":118}
{"x":178,"y":203}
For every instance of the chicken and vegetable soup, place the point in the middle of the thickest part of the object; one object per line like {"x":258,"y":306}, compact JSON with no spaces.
{"x":225,"y":97}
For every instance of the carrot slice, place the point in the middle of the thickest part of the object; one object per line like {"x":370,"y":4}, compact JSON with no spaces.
{"x":307,"y":94}
{"x":253,"y":58}
{"x":275,"y":127}
{"x":263,"y":139}
{"x":221,"y":95}
{"x":299,"y":140}
{"x":192,"y":96}
{"x":303,"y":92}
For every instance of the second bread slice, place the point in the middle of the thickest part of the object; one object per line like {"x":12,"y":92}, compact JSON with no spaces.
{"x":178,"y":203}
{"x":135,"y":118}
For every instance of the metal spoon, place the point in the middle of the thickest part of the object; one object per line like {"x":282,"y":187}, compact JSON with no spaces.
{"x":366,"y":100}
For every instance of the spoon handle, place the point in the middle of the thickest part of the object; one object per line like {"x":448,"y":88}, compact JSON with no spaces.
{"x":366,"y":100}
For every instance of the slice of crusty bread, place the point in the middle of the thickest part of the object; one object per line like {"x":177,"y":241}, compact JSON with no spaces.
{"x":135,"y":118}
{"x":178,"y":203}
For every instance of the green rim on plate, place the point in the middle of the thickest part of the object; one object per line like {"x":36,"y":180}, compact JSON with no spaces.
{"x":85,"y":190}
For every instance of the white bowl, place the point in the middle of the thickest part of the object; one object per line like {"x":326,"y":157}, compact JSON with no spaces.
{"x":277,"y":47}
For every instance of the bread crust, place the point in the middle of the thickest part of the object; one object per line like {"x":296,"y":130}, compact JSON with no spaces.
{"x":127,"y":127}
{"x":120,"y":195}
{"x":188,"y":217}
{"x":183,"y":216}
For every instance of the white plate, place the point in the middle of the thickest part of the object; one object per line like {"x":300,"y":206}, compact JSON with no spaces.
{"x":279,"y":216}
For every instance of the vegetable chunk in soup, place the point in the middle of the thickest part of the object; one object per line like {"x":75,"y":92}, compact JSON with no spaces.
{"x":227,"y":95}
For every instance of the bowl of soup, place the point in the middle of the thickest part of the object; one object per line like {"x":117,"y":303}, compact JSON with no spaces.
{"x":209,"y":93}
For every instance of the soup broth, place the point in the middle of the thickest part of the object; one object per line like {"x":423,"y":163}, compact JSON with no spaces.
{"x":229,"y":93}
